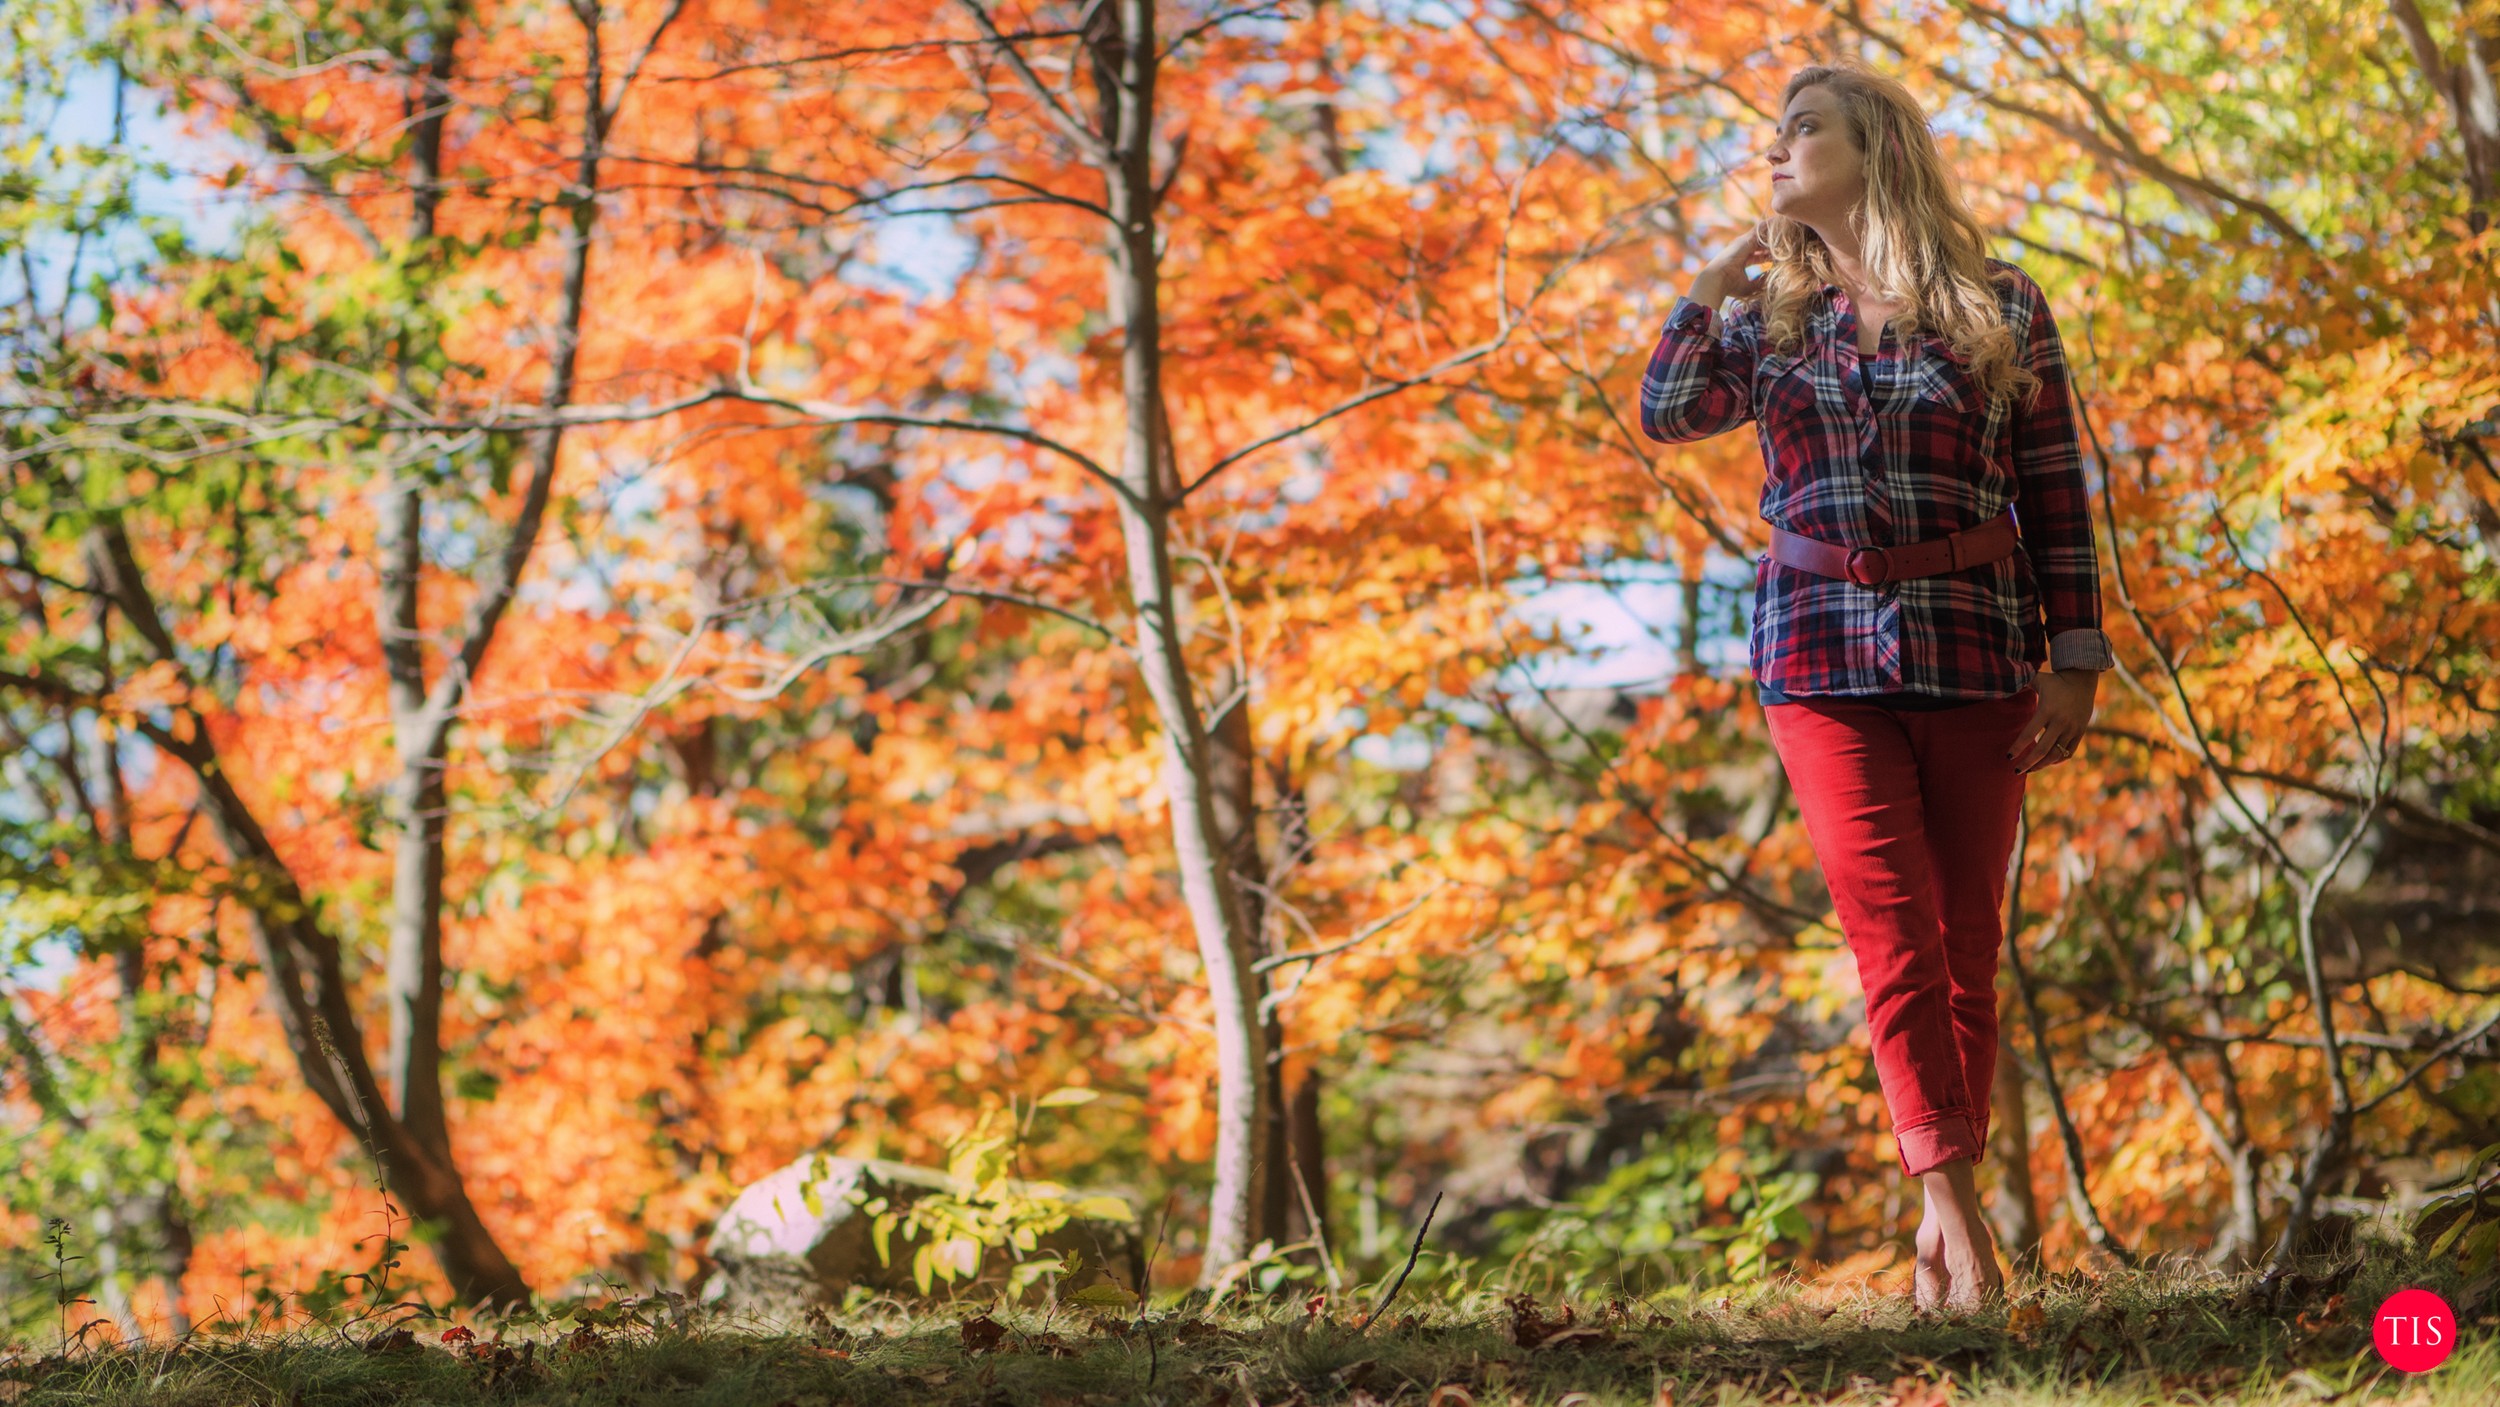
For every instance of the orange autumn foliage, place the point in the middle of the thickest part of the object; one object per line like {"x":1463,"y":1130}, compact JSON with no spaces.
{"x":717,"y":893}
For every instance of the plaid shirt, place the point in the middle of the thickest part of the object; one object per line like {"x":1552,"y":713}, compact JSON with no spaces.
{"x":1891,"y":449}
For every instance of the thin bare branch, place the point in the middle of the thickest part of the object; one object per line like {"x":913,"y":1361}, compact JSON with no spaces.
{"x":2446,"y":1050}
{"x":1087,"y":140}
{"x":1361,"y":936}
{"x":2114,"y":142}
{"x":867,"y":51}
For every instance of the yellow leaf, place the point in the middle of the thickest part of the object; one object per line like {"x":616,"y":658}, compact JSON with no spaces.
{"x":1060,"y":1098}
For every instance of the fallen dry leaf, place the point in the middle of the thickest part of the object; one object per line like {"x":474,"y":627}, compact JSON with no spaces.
{"x":1451,"y":1395}
{"x":1582,"y":1339}
{"x":1528,"y":1324}
{"x":981,"y":1334}
{"x":2329,"y":1313}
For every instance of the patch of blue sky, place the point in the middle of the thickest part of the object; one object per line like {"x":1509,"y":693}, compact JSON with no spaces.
{"x":1407,"y":749}
{"x":35,"y":961}
{"x":919,"y":256}
{"x":176,"y":173}
{"x":1620,"y":630}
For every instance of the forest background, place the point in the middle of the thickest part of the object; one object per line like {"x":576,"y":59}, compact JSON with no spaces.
{"x":614,"y":594}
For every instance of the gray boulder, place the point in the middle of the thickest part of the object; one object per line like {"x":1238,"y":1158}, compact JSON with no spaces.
{"x":774,"y":1250}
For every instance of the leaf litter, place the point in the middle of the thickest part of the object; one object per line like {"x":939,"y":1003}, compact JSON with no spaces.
{"x":2131,"y":1339}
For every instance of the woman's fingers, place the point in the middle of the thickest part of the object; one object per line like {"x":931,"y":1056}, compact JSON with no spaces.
{"x":2048,"y":740}
{"x":2046,"y":746}
{"x":1742,"y":250}
{"x":2055,"y":732}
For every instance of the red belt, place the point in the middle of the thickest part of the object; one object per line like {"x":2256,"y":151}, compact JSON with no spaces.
{"x":1991,"y":541}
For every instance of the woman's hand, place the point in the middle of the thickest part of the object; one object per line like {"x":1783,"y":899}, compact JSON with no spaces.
{"x":1724,"y":277}
{"x":2057,"y":724}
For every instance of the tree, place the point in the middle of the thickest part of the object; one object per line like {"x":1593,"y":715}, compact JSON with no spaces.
{"x":389,"y":207}
{"x":1033,"y":480}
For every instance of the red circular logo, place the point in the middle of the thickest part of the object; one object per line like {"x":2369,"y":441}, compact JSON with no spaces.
{"x":2415,"y":1331}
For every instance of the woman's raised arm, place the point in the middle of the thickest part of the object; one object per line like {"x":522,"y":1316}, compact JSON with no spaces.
{"x":1700,"y":380}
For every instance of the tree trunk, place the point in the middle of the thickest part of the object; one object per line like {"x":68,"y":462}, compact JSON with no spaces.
{"x":414,"y":975}
{"x":1224,"y":939}
{"x":1309,"y":1159}
{"x":1688,"y":620}
{"x":2471,"y":92}
{"x":2334,"y":1140}
{"x":308,"y":984}
{"x":2078,"y":1191}
{"x":2014,"y":1214}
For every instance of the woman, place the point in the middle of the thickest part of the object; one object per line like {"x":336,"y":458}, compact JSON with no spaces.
{"x":1916,"y":657}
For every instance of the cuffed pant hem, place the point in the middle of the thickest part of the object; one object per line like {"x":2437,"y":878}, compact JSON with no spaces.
{"x":1932,"y":1145}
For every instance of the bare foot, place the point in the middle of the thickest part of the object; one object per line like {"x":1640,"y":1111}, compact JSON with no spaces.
{"x":1967,"y":1251}
{"x":1930,"y":1284}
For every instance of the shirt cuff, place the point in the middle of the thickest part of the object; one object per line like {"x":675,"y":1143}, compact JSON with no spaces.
{"x":2080,"y":649}
{"x":1698,"y":319}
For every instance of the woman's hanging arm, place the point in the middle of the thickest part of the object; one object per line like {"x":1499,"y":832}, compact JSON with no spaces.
{"x":2053,"y":499}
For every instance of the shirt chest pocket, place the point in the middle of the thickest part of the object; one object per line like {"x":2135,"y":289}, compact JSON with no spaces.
{"x":1783,"y":387}
{"x":1943,"y":383}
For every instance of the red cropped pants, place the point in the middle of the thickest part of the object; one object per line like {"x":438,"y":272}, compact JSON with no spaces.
{"x":1912,"y":817}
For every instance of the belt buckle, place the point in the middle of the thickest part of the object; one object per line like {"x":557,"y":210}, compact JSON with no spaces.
{"x":1883,"y":566}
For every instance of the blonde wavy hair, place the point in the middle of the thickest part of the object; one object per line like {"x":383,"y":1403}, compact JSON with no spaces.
{"x":1916,"y":237}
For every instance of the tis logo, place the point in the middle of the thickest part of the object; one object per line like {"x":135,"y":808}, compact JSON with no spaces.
{"x":2415,"y":1331}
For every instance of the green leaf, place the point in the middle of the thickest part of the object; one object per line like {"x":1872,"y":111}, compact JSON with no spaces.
{"x":1106,"y":1294}
{"x":1062,"y":1098}
{"x":2449,"y":1237}
{"x":2480,"y":1249}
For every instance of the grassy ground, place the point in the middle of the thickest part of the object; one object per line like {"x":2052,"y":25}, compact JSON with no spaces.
{"x":2126,"y":1338}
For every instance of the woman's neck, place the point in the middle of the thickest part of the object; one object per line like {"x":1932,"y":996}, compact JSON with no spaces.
{"x":1842,"y":245}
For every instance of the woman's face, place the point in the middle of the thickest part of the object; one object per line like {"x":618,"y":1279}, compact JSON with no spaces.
{"x":1817,"y":174}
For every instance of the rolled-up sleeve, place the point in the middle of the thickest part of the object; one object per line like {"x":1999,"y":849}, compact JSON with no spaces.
{"x":1700,"y":380}
{"x":2053,"y":501}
